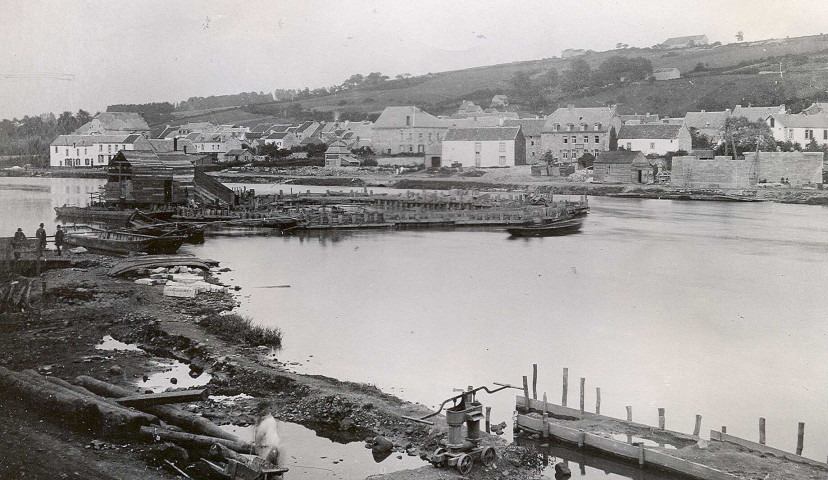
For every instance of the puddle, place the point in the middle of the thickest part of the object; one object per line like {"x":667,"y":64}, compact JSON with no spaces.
{"x":309,"y":456}
{"x":647,"y":442}
{"x":161,"y":381}
{"x":586,"y":466}
{"x":110,"y":344}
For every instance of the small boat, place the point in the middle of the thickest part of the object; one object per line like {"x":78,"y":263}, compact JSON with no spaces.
{"x":100,"y":214}
{"x":142,"y":223}
{"x":122,"y":243}
{"x":269,"y":222}
{"x":547,"y":227}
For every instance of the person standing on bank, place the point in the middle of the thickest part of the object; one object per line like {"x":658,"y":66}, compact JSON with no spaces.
{"x":41,"y":240}
{"x":19,"y":243}
{"x":58,"y":239}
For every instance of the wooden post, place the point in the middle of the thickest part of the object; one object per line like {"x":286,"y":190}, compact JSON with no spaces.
{"x":598,"y":400}
{"x":641,"y":454}
{"x":629,"y":413}
{"x":661,"y":419}
{"x":800,"y":438}
{"x":724,"y":429}
{"x":534,"y":381}
{"x":697,"y":428}
{"x":526,"y":391}
{"x":488,"y":419}
{"x":761,"y":430}
{"x":583,"y":397}
{"x":565,"y":386}
{"x":545,"y":406}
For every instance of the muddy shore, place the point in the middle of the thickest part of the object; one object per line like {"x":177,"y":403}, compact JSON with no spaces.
{"x":58,"y":337}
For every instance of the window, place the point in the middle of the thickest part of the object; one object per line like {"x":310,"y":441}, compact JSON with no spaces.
{"x":584,"y":127}
{"x":401,"y":135}
{"x":67,"y":152}
{"x":402,"y":148}
{"x":652,"y":145}
{"x":477,"y":159}
{"x":478,"y":147}
{"x":438,"y":137}
{"x":629,"y":146}
{"x":56,"y":149}
{"x":597,"y":127}
{"x":421,"y":136}
{"x":429,"y":136}
{"x":772,"y":122}
{"x":570,"y":127}
{"x":566,"y":139}
{"x":825,"y":134}
{"x":597,"y":139}
{"x":109,"y":148}
{"x":411,"y":148}
{"x":557,"y":127}
{"x":408,"y":120}
{"x":501,"y":147}
{"x":421,"y":148}
{"x":809,"y":134}
{"x":502,"y":161}
{"x":596,"y":153}
{"x":409,"y":136}
{"x":565,"y":154}
{"x":574,"y":139}
{"x":586,"y":139}
{"x":533,"y":142}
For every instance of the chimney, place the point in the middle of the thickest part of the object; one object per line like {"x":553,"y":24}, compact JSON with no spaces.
{"x":175,"y":144}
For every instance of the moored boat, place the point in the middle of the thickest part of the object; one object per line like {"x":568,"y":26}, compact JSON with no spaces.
{"x":144,"y":224}
{"x":123,"y":243}
{"x":97,"y":214}
{"x":548,"y":227}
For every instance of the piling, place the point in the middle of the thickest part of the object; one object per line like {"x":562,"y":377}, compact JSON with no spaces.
{"x":534,"y":381}
{"x":761,"y":430}
{"x":488,"y":419}
{"x":583,"y":397}
{"x":661,"y":421}
{"x":526,"y":391}
{"x":724,"y":429}
{"x":565,"y":386}
{"x":800,"y":438}
{"x":598,"y":400}
{"x":697,"y":428}
{"x":629,"y":413}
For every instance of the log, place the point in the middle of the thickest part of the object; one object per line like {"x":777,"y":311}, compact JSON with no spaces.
{"x":164,"y":398}
{"x":193,"y":439}
{"x":172,"y":415}
{"x":49,"y":398}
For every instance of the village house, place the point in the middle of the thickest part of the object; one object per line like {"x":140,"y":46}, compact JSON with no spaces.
{"x":214,"y":143}
{"x":305,"y":129}
{"x":406,"y":129}
{"x":661,"y":74}
{"x":636,"y":119}
{"x":114,"y":123}
{"x":139,"y":178}
{"x":570,"y":132}
{"x":757,"y":114}
{"x":282,"y":140}
{"x":238,"y":155}
{"x":434,"y":156}
{"x":622,"y":167}
{"x":815,"y":108}
{"x":89,"y":151}
{"x":709,"y":124}
{"x":467,"y":108}
{"x":484,"y":147}
{"x":532,"y":129}
{"x":799,"y":128}
{"x":655,"y":138}
{"x":337,"y":153}
{"x":499,"y":101}
{"x":683,"y":42}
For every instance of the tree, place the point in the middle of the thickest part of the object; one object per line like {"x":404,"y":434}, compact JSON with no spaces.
{"x":294,"y":111}
{"x":621,"y":46}
{"x":700,"y":141}
{"x":354,"y":80}
{"x":577,"y":77}
{"x":747,"y":136}
{"x":618,"y":69}
{"x":551,"y":79}
{"x":586,"y":160}
{"x":84,"y":117}
{"x":521,"y":83}
{"x":740,"y":36}
{"x":403,"y":76}
{"x":375,"y":78}
{"x":613,"y":139}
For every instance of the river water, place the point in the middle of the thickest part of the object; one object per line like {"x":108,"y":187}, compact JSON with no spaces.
{"x":696,"y":307}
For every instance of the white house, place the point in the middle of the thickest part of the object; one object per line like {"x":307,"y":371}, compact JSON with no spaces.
{"x":282,"y":140}
{"x":218,"y":143}
{"x":799,"y":128}
{"x":92,"y":150}
{"x":655,"y":138}
{"x":484,"y":147}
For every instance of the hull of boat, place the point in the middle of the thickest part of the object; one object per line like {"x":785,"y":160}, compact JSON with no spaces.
{"x":560,"y":227}
{"x":124,"y":243}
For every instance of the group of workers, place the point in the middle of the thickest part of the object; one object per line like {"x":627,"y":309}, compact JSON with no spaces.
{"x":19,"y":241}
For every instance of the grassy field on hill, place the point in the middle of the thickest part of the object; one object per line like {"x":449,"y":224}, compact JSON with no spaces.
{"x":717,"y":88}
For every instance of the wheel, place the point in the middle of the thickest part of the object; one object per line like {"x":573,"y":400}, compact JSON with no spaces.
{"x":437,"y":458}
{"x":464,"y":464}
{"x":488,"y":456}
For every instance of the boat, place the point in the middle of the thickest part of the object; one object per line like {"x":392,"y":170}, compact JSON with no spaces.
{"x":122,"y":243}
{"x":142,"y":223}
{"x":100,"y":214}
{"x":269,"y":222}
{"x":547,"y":227}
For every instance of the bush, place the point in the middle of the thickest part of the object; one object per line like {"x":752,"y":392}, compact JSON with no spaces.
{"x":236,"y":328}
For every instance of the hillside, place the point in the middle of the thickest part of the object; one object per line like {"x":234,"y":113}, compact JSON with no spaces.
{"x":719,"y":87}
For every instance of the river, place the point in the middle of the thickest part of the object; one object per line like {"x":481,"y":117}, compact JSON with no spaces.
{"x":696,"y":307}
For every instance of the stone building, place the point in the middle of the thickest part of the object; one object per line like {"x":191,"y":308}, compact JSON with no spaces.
{"x":532,"y":129}
{"x":621,"y":167}
{"x":407,"y":129}
{"x":571,"y":131}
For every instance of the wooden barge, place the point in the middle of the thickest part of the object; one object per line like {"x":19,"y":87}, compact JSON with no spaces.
{"x":123,"y":243}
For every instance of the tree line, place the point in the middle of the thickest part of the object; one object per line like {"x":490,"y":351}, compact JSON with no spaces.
{"x":32,"y":135}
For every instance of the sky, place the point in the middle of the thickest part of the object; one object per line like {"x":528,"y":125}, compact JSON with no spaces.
{"x":72,"y":54}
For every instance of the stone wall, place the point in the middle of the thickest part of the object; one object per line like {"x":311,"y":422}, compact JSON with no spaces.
{"x":798,"y":168}
{"x":719,"y":172}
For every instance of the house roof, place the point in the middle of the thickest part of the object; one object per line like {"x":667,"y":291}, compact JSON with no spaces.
{"x":279,"y":128}
{"x":819,"y":120}
{"x":666,"y":70}
{"x":620,"y":157}
{"x":395,"y":117}
{"x":116,"y":121}
{"x":89,"y":140}
{"x":647,"y":118}
{"x":578,"y":115}
{"x":176,"y":160}
{"x":706,"y":120}
{"x":339,"y":147}
{"x":237,"y":151}
{"x":685,"y":40}
{"x":483,"y":134}
{"x":816,"y":107}
{"x":531,"y":127}
{"x":141,"y":158}
{"x":757,"y":114}
{"x":649,"y":130}
{"x":164,"y":145}
{"x":277,"y":135}
{"x":168,"y":131}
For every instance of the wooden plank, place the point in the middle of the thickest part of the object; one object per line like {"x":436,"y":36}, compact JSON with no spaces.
{"x":686,"y":467}
{"x":163,"y":398}
{"x":756,"y":447}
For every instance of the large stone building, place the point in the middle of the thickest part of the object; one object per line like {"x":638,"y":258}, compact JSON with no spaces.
{"x":532,"y":129}
{"x":114,"y":123}
{"x":655,"y":139}
{"x":484,"y":147}
{"x":88,"y":151}
{"x":407,"y":129}
{"x":571,"y":131}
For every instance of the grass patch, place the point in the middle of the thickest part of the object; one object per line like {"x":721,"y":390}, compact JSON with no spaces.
{"x":236,"y":328}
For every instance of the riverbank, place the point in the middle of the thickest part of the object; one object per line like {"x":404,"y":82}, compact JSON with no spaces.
{"x":503,"y":180}
{"x":61,"y":336}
